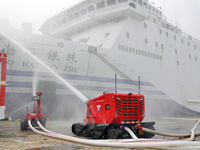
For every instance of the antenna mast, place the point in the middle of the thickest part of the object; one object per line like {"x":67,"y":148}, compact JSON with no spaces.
{"x":139,"y":85}
{"x":164,"y":9}
{"x":115,"y":83}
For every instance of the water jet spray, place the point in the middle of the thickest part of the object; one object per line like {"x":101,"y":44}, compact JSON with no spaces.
{"x":75,"y":91}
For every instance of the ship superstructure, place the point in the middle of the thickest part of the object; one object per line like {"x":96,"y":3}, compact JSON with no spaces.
{"x":90,"y":42}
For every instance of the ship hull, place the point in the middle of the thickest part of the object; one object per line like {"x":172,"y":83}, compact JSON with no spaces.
{"x":124,"y":38}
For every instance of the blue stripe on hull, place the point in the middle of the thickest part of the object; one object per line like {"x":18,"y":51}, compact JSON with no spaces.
{"x":73,"y":77}
{"x":81,"y":88}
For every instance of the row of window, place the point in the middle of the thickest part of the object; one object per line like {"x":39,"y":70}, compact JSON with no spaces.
{"x":167,"y":35}
{"x":91,"y":8}
{"x":176,"y":52}
{"x":155,"y":10}
{"x":191,"y":57}
{"x":178,"y":61}
{"x":84,"y":11}
{"x":140,"y":52}
{"x":160,"y":31}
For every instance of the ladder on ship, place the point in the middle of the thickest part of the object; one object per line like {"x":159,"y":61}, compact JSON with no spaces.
{"x":94,"y":51}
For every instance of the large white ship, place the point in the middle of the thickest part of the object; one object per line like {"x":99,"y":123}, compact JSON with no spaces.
{"x":92,"y":41}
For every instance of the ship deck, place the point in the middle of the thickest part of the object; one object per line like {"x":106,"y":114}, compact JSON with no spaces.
{"x":12,"y":138}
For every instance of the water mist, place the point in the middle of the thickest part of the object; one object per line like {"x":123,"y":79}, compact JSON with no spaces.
{"x":75,"y":91}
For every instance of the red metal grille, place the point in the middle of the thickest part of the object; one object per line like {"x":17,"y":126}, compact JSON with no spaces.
{"x":130,"y":108}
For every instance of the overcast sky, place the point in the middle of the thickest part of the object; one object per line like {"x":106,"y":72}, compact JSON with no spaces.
{"x":185,"y":12}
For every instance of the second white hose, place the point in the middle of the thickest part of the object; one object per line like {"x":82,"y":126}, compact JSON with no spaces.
{"x":116,"y":144}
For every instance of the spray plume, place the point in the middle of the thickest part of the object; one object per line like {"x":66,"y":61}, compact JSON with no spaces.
{"x":75,"y":91}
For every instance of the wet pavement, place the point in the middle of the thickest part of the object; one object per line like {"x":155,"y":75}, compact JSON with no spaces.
{"x":12,"y":138}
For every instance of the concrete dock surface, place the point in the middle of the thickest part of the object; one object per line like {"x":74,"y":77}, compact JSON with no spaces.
{"x":12,"y":138}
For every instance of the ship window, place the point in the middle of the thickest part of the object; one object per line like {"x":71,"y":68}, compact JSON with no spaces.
{"x":133,"y":50}
{"x":196,"y":58}
{"x":107,"y":34}
{"x":145,"y":5}
{"x":139,"y":52}
{"x":129,"y":49}
{"x":160,"y":31}
{"x":127,"y":35}
{"x":177,"y":62}
{"x":64,"y":20}
{"x":176,"y":51}
{"x":119,"y":47}
{"x":160,"y":57}
{"x":83,"y":11}
{"x":132,"y":5}
{"x":166,"y":34}
{"x":145,"y":25}
{"x":111,"y":2}
{"x":182,"y":40}
{"x":100,"y":5}
{"x":53,"y":25}
{"x":59,"y":23}
{"x":70,"y":18}
{"x":123,"y":47}
{"x":90,"y":8}
{"x":156,"y":44}
{"x":194,"y":46}
{"x":136,"y":51}
{"x":175,"y":38}
{"x":121,"y":1}
{"x":162,"y":46}
{"x":146,"y":40}
{"x":140,"y":2}
{"x":188,"y":43}
{"x":60,"y":44}
{"x":149,"y":7}
{"x":190,"y":56}
{"x":76,"y":15}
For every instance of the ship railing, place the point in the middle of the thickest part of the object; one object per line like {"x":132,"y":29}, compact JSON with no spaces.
{"x":172,"y":22}
{"x":190,"y":37}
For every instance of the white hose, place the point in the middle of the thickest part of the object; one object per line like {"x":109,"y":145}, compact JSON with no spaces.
{"x":192,"y":132}
{"x":107,"y":140}
{"x":116,"y":144}
{"x":130,"y":132}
